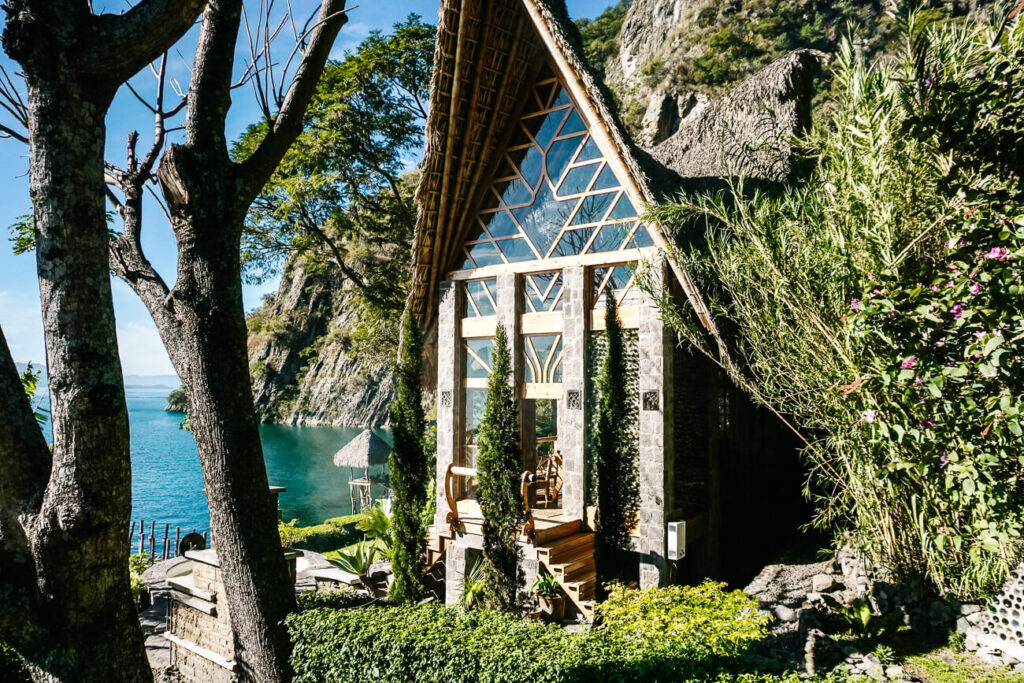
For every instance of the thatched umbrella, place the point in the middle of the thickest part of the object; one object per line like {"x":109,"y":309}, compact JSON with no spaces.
{"x":365,"y":451}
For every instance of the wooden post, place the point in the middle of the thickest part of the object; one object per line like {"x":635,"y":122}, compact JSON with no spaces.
{"x":142,"y":536}
{"x":167,"y":536}
{"x":177,"y":541}
{"x":131,"y":534}
{"x":152,"y":547}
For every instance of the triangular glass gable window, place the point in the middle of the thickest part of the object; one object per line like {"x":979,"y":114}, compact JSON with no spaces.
{"x":554,"y":193}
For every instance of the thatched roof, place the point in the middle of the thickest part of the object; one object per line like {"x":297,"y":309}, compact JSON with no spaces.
{"x":748,"y":131}
{"x":366,"y":450}
{"x":488,"y":53}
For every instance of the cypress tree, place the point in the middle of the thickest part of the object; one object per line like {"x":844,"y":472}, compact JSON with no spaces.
{"x":618,"y":487}
{"x":498,"y":464}
{"x":407,"y":468}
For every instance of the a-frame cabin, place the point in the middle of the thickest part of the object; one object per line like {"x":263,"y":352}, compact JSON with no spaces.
{"x":529,"y":213}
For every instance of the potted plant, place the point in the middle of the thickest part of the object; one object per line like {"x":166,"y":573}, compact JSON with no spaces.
{"x":549,"y":595}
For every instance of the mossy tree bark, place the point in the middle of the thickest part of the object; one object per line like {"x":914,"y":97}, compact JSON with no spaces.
{"x":65,"y":602}
{"x":498,"y":463}
{"x":407,"y":467}
{"x":202,"y":319}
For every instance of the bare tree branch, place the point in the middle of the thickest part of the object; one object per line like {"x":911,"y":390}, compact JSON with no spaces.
{"x":288,"y":124}
{"x":123,"y":44}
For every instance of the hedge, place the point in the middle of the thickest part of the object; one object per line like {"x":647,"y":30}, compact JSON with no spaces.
{"x":332,"y":534}
{"x":696,"y":633}
{"x":11,"y":668}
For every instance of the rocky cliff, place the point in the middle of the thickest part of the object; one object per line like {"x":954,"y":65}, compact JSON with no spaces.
{"x":303,"y":366}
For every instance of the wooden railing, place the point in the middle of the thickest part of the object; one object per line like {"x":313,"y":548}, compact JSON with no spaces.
{"x":449,"y":479}
{"x":530,"y":526}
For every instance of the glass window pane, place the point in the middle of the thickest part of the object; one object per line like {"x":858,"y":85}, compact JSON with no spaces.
{"x":642,"y":238}
{"x":610,"y":238}
{"x":477,"y":357}
{"x":480,"y":297}
{"x":593,"y":208}
{"x":577,"y":180}
{"x":560,"y":155}
{"x":499,"y":224}
{"x":623,"y":209}
{"x":513,"y":192}
{"x":542,"y":354}
{"x":561,"y":98}
{"x":607,"y":179}
{"x":516,"y":250}
{"x":544,"y":127}
{"x":574,"y":124}
{"x":590,"y":151}
{"x":543,"y":220}
{"x":573,"y":242}
{"x":532,"y":165}
{"x":485,"y":254}
{"x":543,"y":292}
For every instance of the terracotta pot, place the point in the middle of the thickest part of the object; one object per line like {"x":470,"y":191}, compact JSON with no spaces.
{"x":552,"y":609}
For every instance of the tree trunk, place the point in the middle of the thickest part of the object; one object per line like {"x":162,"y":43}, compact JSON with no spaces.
{"x":77,"y":536}
{"x":63,"y":517}
{"x":210,"y":334}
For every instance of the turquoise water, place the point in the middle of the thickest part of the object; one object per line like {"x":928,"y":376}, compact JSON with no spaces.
{"x":167,"y":481}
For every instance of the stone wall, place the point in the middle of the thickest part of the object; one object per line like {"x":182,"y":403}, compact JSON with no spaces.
{"x":202,"y":642}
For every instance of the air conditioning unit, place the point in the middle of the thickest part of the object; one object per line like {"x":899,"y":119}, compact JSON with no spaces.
{"x":676,"y":540}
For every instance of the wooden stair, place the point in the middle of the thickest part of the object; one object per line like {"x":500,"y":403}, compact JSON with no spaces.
{"x":567,"y":552}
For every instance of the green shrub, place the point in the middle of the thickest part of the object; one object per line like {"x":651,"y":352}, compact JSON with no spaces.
{"x":497,"y":466}
{"x":137,"y":564}
{"x":338,"y":599}
{"x":407,"y":467}
{"x":673,"y":634}
{"x":332,"y":534}
{"x":11,"y":668}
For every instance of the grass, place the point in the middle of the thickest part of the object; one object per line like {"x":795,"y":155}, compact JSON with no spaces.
{"x":944,"y":665}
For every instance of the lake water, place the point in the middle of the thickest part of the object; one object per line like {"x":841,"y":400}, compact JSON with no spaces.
{"x":167,"y":481}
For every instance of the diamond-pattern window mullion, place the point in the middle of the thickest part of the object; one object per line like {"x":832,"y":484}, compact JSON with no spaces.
{"x":556,"y":192}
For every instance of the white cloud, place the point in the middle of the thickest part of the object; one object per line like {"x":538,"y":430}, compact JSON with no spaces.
{"x":352,"y":33}
{"x":142,"y":351}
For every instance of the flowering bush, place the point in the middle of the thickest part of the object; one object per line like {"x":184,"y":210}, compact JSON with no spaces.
{"x":877,"y":307}
{"x":945,"y":380}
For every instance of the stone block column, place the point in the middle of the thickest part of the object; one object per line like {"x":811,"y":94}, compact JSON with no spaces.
{"x":572,"y":408}
{"x":449,"y":390}
{"x":656,"y":346}
{"x":454,"y":572}
{"x":507,"y":313}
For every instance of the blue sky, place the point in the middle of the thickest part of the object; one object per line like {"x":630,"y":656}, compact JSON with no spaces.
{"x":141,"y":350}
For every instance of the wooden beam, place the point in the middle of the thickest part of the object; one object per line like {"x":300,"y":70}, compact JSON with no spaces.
{"x":541,"y":323}
{"x":536,"y":390}
{"x":607,"y":258}
{"x":484,"y":326}
{"x":629,"y":318}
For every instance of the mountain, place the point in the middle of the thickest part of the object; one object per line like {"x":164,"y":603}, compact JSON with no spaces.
{"x":149,"y":381}
{"x":301,"y":358}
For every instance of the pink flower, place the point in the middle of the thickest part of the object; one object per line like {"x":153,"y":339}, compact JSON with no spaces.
{"x":935,"y":288}
{"x":979,"y":335}
{"x":957,"y":311}
{"x":943,"y":460}
{"x":908,"y":363}
{"x":975,"y":288}
{"x":998,"y":253}
{"x":868,"y":416}
{"x":854,"y":304}
{"x":990,"y":373}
